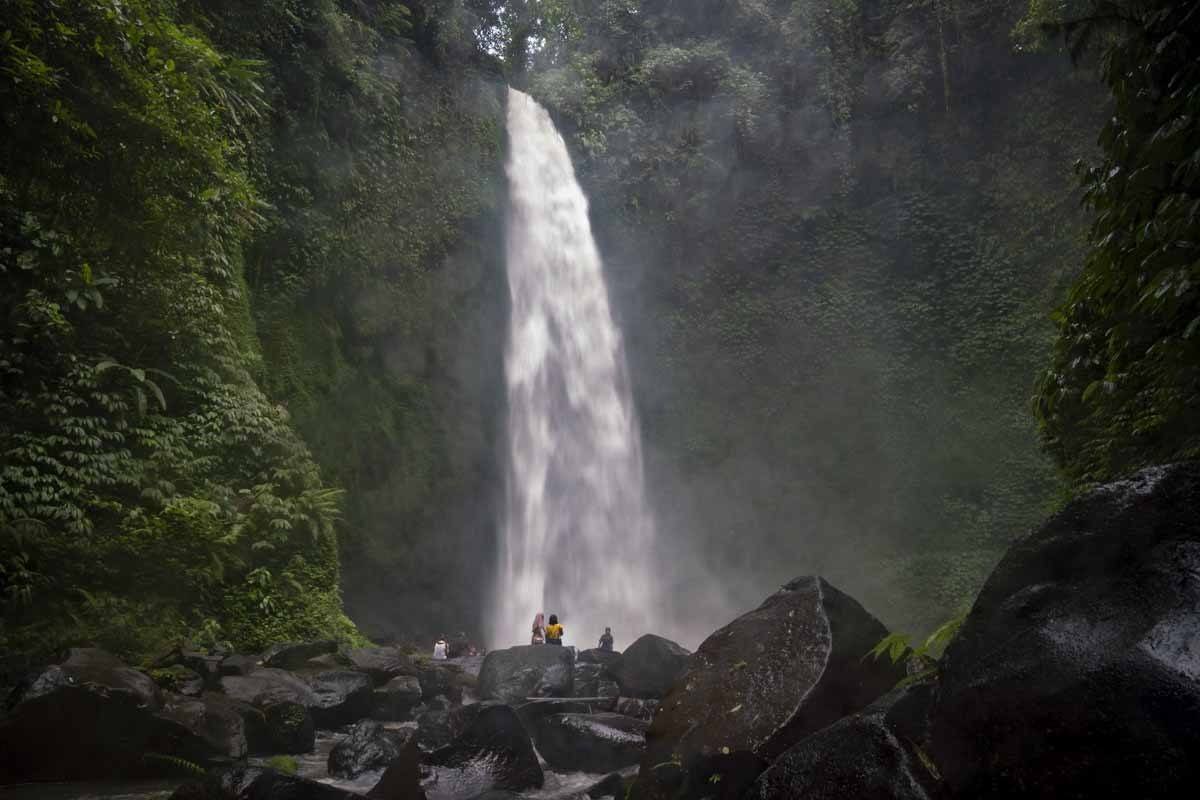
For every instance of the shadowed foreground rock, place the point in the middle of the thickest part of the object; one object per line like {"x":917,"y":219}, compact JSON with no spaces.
{"x":493,"y":753}
{"x":93,"y":716}
{"x":760,"y":684}
{"x":591,"y":742}
{"x":650,"y":667}
{"x":512,"y":675}
{"x":877,"y":754}
{"x":342,"y":697}
{"x":1077,"y":672}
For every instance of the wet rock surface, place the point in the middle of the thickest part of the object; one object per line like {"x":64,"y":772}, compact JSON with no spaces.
{"x":760,"y":684}
{"x":650,"y":667}
{"x":636,"y":707}
{"x":294,"y":655}
{"x":518,"y":673}
{"x":396,"y":699}
{"x":383,"y":664}
{"x":368,"y":746}
{"x":591,"y":742}
{"x":593,"y":680}
{"x":1077,"y":671}
{"x":877,"y":753}
{"x":493,"y":752}
{"x":342,"y":697}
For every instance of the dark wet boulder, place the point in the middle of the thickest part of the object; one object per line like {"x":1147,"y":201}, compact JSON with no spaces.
{"x":204,"y":665}
{"x":202,"y":730}
{"x":605,"y":658}
{"x":268,"y":685}
{"x":279,"y":717}
{"x":493,"y":752}
{"x":1077,"y":671}
{"x":877,"y":753}
{"x":179,"y":679}
{"x":396,"y":699}
{"x":294,"y":655}
{"x":383,"y":664}
{"x":92,"y":716}
{"x":650,"y":667}
{"x":591,"y":742}
{"x":287,"y":728}
{"x":593,"y":680}
{"x":533,"y":711}
{"x":442,"y":679}
{"x":326,"y":663}
{"x":760,"y":684}
{"x":402,"y":779}
{"x":257,"y":783}
{"x":518,"y":673}
{"x":342,"y":697}
{"x":637,"y":707}
{"x":439,"y":727}
{"x":238,"y":665}
{"x":368,"y":746}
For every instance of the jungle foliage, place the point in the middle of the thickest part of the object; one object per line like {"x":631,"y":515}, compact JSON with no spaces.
{"x":1124,"y":384}
{"x":834,"y":232}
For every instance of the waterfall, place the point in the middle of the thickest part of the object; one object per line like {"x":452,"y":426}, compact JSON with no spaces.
{"x":578,"y":539}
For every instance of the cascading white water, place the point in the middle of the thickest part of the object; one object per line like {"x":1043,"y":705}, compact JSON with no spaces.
{"x":577,"y":537}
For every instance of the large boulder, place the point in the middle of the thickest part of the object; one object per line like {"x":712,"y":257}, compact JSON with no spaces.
{"x":238,"y":665}
{"x":257,"y":783}
{"x":533,"y":711}
{"x":369,"y":746}
{"x":277,"y":708}
{"x":593,"y":680}
{"x":437,"y":728}
{"x":517,"y":673}
{"x":760,"y":684}
{"x":200,"y":729}
{"x":1077,"y":671}
{"x":395,"y":699}
{"x":383,"y":664}
{"x":493,"y":752}
{"x":637,"y":707}
{"x":342,"y":697}
{"x":877,"y":753}
{"x":92,"y":716}
{"x":439,"y":679}
{"x":294,"y":655}
{"x":650,"y":667}
{"x":402,"y":779}
{"x":606,"y":658}
{"x":591,"y":742}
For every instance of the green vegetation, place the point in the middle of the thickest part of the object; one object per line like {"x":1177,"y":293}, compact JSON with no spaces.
{"x":285,"y":764}
{"x":835,"y":234}
{"x":1124,"y":384}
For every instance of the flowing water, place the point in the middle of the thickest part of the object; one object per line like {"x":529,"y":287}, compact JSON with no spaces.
{"x":578,"y":539}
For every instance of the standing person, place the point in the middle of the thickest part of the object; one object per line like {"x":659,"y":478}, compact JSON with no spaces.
{"x":606,"y":641}
{"x":439,"y":650}
{"x":539,"y":629}
{"x":554,"y":631}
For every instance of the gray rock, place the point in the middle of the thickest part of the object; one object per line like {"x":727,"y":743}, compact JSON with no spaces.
{"x":284,"y":722}
{"x":637,"y":708}
{"x":518,"y":673}
{"x":396,"y":699}
{"x":650,"y":667}
{"x":238,"y":665}
{"x":369,"y":746}
{"x":383,"y":664}
{"x":760,"y":684}
{"x":294,"y":655}
{"x":877,"y":753}
{"x":200,"y":729}
{"x":1077,"y":671}
{"x":342,"y":697}
{"x":492,"y":753}
{"x":591,"y":742}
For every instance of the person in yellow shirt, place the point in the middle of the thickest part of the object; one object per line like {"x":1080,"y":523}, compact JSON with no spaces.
{"x":554,"y":631}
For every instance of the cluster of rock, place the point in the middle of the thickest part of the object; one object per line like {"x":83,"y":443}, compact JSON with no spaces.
{"x":1076,"y":674}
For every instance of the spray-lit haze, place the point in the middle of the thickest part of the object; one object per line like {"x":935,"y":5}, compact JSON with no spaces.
{"x":578,"y":538}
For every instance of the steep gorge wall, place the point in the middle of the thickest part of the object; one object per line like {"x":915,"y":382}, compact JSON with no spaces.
{"x":834,"y":232}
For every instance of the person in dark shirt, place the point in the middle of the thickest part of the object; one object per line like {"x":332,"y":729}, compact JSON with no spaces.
{"x":606,"y":641}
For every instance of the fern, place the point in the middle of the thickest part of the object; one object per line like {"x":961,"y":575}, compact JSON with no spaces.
{"x":180,"y":764}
